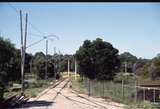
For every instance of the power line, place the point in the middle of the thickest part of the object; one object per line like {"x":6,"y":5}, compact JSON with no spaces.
{"x":33,"y":34}
{"x":35,"y":42}
{"x":33,"y":26}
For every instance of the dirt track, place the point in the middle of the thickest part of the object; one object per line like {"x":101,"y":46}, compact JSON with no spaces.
{"x":63,"y":97}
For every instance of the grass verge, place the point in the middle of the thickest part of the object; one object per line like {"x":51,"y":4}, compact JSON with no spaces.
{"x":32,"y":90}
{"x":110,"y":91}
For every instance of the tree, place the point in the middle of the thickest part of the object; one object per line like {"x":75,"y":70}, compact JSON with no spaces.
{"x":138,"y":65}
{"x":39,"y":65}
{"x":154,"y":69}
{"x":6,"y":53}
{"x":39,"y":61}
{"x":97,"y":59}
{"x":129,"y":59}
{"x":14,"y":69}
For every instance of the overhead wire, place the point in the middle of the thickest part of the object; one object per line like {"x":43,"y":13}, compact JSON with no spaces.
{"x":33,"y":26}
{"x":41,"y":34}
{"x":35,"y":42}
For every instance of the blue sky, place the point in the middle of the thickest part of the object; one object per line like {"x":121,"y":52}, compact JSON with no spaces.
{"x":132,"y":27}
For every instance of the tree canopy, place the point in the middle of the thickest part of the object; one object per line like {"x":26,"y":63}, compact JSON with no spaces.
{"x":97,"y":59}
{"x":129,"y":59}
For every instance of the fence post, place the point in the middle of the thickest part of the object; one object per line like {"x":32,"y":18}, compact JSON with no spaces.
{"x":135,"y":91}
{"x":89,"y":87}
{"x":154,"y":95}
{"x":103,"y":88}
{"x":123,"y":89}
{"x":143,"y":94}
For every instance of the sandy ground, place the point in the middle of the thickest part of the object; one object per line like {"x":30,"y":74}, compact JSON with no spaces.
{"x":66,"y":98}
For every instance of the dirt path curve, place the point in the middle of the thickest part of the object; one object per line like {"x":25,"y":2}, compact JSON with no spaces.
{"x":63,"y":97}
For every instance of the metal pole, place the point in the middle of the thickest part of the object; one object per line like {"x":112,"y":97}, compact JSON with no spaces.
{"x":46,"y":60}
{"x":68,"y":68}
{"x":154,"y":95}
{"x":24,"y":50}
{"x":89,"y":88}
{"x":59,"y":63}
{"x":123,"y":89}
{"x":75,"y":70}
{"x":54,"y":64}
{"x":126,"y":67}
{"x":54,"y":50}
{"x":135,"y":91}
{"x":22,"y":66}
{"x":103,"y":87}
{"x":143,"y":94}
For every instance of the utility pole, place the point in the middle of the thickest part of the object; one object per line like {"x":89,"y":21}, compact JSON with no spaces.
{"x":68,"y":67}
{"x":59,"y":64}
{"x":75,"y":69}
{"x":23,"y":48}
{"x":54,"y":63}
{"x":46,"y":59}
{"x":22,"y":67}
{"x":126,"y":67}
{"x":54,"y":50}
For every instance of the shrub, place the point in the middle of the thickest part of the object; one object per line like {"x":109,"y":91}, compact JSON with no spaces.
{"x":127,"y":77}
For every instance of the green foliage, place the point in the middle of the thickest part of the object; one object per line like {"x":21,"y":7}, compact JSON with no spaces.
{"x":143,"y":105}
{"x":129,"y":58}
{"x":139,"y":64}
{"x":6,"y":53}
{"x":63,"y":62}
{"x":154,"y":69}
{"x":39,"y":65}
{"x":39,"y":62}
{"x":148,"y":68}
{"x":97,"y":59}
{"x":126,"y":77}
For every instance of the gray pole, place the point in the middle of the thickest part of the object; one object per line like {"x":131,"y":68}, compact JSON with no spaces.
{"x":126,"y":67}
{"x":22,"y":68}
{"x":68,"y":67}
{"x":46,"y":59}
{"x":23,"y":47}
{"x":59,"y":64}
{"x":54,"y":50}
{"x":75,"y":69}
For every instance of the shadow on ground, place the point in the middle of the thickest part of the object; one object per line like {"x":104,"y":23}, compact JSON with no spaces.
{"x":38,"y":103}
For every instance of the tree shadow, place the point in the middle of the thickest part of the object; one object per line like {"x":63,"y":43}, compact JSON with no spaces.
{"x":38,"y":103}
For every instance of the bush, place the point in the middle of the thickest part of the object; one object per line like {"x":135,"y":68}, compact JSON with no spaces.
{"x":126,"y":77}
{"x":58,"y":76}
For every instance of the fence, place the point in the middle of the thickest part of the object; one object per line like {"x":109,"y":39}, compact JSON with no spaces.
{"x":121,"y":91}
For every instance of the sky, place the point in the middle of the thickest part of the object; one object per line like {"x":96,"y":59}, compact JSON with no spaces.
{"x":129,"y":27}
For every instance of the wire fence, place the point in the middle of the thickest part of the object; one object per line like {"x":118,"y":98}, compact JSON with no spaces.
{"x":121,"y":91}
